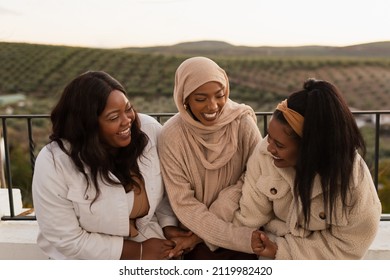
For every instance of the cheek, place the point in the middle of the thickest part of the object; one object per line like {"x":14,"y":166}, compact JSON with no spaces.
{"x":195,"y":107}
{"x":222,"y":103}
{"x":106,"y":129}
{"x":293,"y":155}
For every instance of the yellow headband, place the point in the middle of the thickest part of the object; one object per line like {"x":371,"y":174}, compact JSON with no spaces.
{"x":294,"y":119}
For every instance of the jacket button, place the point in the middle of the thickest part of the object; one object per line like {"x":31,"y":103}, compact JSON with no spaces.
{"x":322,"y":215}
{"x":273,"y":191}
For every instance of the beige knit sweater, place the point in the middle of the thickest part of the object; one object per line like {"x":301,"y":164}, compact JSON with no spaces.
{"x":202,"y":165}
{"x":190,"y":195}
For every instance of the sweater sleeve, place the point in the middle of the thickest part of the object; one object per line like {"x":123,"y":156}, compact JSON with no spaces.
{"x":227,"y":201}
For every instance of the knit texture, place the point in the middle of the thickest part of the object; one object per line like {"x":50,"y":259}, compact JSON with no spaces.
{"x":201,"y":164}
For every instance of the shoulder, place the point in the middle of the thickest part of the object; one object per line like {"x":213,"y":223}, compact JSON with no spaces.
{"x":361,"y":175}
{"x":172,"y":135}
{"x":171,"y":128}
{"x":51,"y":156}
{"x":51,"y":150}
{"x":150,"y":126}
{"x":247,"y":120}
{"x":248,"y":129}
{"x":260,"y":153}
{"x":147,"y":121}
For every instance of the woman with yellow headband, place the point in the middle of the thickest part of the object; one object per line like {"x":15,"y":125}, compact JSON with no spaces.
{"x":306,"y":185}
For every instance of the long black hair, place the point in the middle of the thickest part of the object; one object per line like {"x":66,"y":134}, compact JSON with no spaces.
{"x":75,"y":119}
{"x":328,"y":144}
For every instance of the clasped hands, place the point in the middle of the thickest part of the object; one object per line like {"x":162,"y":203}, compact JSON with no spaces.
{"x":183,"y":241}
{"x":262,"y":246}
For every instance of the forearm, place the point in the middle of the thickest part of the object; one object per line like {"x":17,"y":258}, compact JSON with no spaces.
{"x":131,"y":250}
{"x":227,"y":201}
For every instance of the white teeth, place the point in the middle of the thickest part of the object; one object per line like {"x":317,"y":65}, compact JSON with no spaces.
{"x":126,"y":131}
{"x":210,"y":116}
{"x":275,"y":157}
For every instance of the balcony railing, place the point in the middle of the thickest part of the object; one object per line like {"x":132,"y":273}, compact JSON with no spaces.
{"x":372,"y":119}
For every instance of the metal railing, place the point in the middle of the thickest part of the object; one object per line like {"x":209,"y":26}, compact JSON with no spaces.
{"x":372,"y":118}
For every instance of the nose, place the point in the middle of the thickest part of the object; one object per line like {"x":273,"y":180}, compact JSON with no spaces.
{"x":212,"y":105}
{"x":126,"y":120}
{"x":271,"y":148}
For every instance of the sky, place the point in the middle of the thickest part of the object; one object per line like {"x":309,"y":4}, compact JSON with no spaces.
{"x":141,"y":23}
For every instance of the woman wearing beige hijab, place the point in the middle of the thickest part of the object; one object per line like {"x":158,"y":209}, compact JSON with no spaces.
{"x":203,"y":150}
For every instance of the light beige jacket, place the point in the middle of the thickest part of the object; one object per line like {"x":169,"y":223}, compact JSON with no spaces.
{"x":267,"y":200}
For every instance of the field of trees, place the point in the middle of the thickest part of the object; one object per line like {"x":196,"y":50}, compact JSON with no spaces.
{"x":258,"y":77}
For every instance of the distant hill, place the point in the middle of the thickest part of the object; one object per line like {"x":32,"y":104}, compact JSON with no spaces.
{"x":376,"y":49}
{"x":260,"y":77}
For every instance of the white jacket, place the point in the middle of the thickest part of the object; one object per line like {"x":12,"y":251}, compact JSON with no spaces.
{"x":72,"y":228}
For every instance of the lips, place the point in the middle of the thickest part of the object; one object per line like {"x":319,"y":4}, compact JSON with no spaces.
{"x":275,"y":157}
{"x":124,"y":132}
{"x":211,"y":116}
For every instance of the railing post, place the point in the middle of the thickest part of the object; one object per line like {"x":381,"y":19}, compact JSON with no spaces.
{"x":376,"y":150}
{"x":265,"y":122}
{"x":31,"y":144}
{"x":8,"y":168}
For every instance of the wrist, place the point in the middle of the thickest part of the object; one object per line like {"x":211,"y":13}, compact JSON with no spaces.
{"x":196,"y":239}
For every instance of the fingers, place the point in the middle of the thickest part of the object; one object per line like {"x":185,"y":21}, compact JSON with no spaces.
{"x":169,"y":243}
{"x":174,"y":253}
{"x":173,"y":250}
{"x":256,"y":237}
{"x":157,"y":249}
{"x":269,"y":248}
{"x":171,"y":232}
{"x":265,"y":240}
{"x":256,"y":242}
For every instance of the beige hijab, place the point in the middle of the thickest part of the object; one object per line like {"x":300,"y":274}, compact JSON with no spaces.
{"x":214,"y":145}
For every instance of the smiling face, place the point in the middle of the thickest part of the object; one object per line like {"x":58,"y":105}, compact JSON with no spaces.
{"x":282,"y":144}
{"x":115,"y":121}
{"x":206,"y":102}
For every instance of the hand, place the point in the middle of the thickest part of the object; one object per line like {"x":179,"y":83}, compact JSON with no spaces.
{"x":256,"y":242}
{"x":173,"y":231}
{"x":181,"y":238}
{"x":184,"y":244}
{"x":262,"y":245}
{"x":157,"y":249}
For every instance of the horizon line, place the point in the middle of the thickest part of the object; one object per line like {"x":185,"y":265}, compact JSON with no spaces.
{"x":195,"y":41}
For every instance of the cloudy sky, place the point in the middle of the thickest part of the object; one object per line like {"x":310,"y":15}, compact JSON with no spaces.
{"x":124,"y":23}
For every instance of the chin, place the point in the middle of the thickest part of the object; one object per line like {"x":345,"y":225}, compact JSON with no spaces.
{"x":280,"y":164}
{"x":209,"y":123}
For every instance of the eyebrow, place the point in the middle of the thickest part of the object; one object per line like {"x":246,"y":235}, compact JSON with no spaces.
{"x":117,"y":110}
{"x":110,"y":113}
{"x":203,"y":93}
